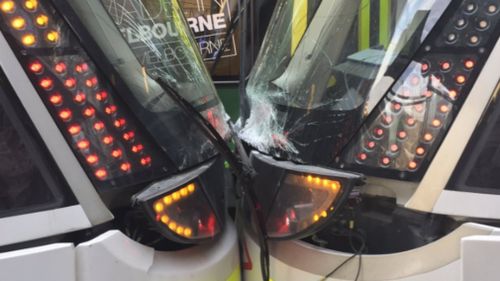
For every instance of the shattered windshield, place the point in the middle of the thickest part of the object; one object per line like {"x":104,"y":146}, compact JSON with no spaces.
{"x":146,"y":40}
{"x":321,"y":71}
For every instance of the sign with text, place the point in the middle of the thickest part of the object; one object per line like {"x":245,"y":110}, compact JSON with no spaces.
{"x":209,"y":21}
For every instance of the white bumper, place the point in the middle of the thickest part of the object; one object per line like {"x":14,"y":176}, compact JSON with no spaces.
{"x":113,"y":256}
{"x":470,"y":253}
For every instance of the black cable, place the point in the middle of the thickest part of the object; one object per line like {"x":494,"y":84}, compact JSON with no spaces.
{"x":358,"y":252}
{"x":242,"y":169}
{"x":229,"y":33}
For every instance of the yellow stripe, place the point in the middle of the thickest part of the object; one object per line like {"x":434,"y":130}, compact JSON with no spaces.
{"x":299,"y":22}
{"x":364,"y":25}
{"x":235,"y":276}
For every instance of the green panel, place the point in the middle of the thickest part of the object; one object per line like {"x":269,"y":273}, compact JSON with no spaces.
{"x":385,"y":22}
{"x":364,"y":25}
{"x":229,"y":95}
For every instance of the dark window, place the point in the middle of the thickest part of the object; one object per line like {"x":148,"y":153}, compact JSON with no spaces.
{"x":479,"y":167}
{"x":29,"y":180}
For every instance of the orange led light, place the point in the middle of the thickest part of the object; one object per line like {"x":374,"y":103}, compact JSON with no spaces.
{"x":460,"y":79}
{"x":18,"y":23}
{"x":188,"y":232}
{"x":8,"y":6}
{"x":385,"y":161}
{"x":453,"y":94}
{"x":28,"y":40}
{"x":191,"y":187}
{"x":317,"y":180}
{"x":74,"y":129}
{"x":116,"y":153}
{"x":36,"y":67}
{"x":98,"y":126}
{"x":137,"y":148}
{"x":396,"y":106}
{"x":316,"y":218}
{"x":371,"y":145}
{"x":65,"y":114}
{"x":42,"y":20}
{"x":119,"y":123}
{"x":70,"y":83}
{"x":428,"y":137}
{"x":125,"y":167}
{"x":92,"y":159}
{"x":172,"y":226}
{"x":445,"y":66}
{"x":184,"y":192}
{"x":444,"y":108}
{"x":89,"y":112}
{"x":436,"y":123}
{"x":326,"y":182}
{"x":101,"y":96}
{"x":56,"y":99}
{"x":110,"y":109}
{"x":83,"y":144}
{"x":469,"y":64}
{"x":168,"y":200}
{"x":387,"y":119}
{"x":145,"y":161}
{"x":164,"y":219}
{"x":362,"y":156}
{"x":402,"y":134}
{"x":425,"y":67}
{"x":180,"y":230}
{"x":31,"y":5}
{"x":394,"y":148}
{"x":91,"y":82}
{"x":128,"y":136}
{"x":52,"y":36}
{"x":60,"y":68}
{"x":420,"y":151}
{"x":46,"y":83}
{"x":335,"y":186}
{"x":82,"y":68}
{"x":176,"y":196}
{"x":410,"y":121}
{"x":79,"y":98}
{"x":378,"y":132}
{"x":412,"y":165}
{"x":107,"y":140}
{"x":101,"y":174}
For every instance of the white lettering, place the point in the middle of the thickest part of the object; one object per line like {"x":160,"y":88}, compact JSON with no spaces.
{"x":205,"y":22}
{"x":219,"y":21}
{"x":193,"y":24}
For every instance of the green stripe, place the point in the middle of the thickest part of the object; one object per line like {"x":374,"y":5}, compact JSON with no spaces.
{"x":385,"y":22}
{"x":364,"y":25}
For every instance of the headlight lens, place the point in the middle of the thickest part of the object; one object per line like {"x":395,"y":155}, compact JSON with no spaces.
{"x":297,"y":200}
{"x":181,"y":208}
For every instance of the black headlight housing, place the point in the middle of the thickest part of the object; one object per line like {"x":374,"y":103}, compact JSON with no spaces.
{"x":297,"y":200}
{"x":182,"y":208}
